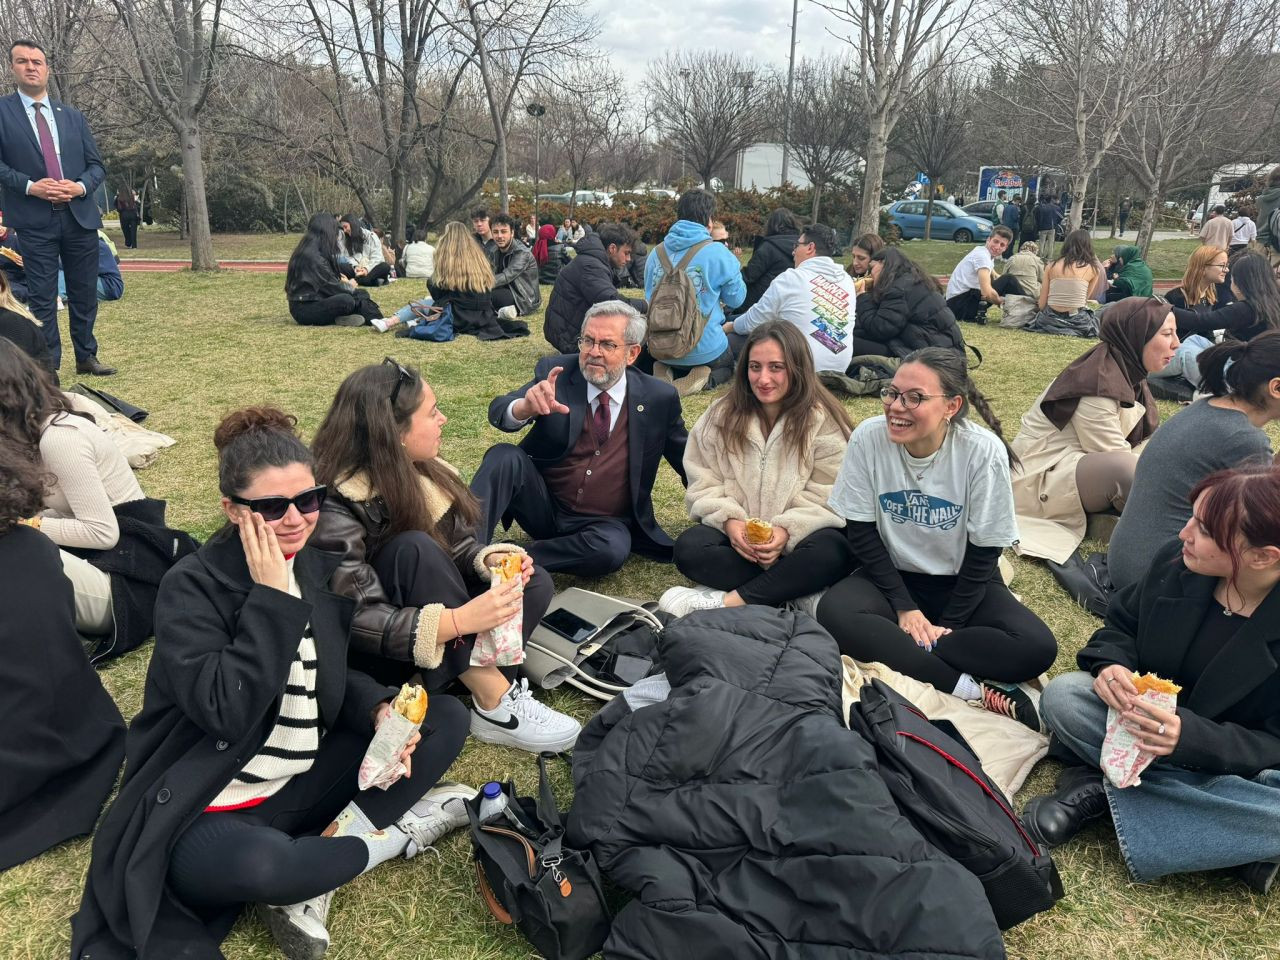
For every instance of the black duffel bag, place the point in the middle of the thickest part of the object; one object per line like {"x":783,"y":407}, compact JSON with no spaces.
{"x":939,"y":785}
{"x":529,"y":878}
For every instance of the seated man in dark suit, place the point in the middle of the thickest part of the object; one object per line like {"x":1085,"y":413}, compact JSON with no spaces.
{"x":580,"y":483}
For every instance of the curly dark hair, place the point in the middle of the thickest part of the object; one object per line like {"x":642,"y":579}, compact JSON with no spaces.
{"x":22,"y":483}
{"x":28,"y":396}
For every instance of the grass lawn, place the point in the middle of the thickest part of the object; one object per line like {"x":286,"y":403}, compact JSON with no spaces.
{"x":1168,"y":257}
{"x":192,"y":347}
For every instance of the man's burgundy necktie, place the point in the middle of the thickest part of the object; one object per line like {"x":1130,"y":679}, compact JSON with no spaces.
{"x":601,"y":426}
{"x":52,"y":168}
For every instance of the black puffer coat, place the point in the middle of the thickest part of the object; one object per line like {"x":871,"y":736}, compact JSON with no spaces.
{"x":749,"y":822}
{"x":586,"y":281}
{"x":908,"y":316}
{"x":771,"y":257}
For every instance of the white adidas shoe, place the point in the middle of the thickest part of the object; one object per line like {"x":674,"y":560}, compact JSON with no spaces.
{"x":508,"y":312}
{"x":441,"y":811}
{"x":522,"y":722}
{"x":299,"y":928}
{"x":679,"y":601}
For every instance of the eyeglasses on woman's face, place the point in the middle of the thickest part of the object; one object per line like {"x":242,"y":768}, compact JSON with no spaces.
{"x":911,"y":399}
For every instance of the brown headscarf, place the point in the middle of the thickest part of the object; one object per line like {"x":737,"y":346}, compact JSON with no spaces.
{"x":1114,"y":368}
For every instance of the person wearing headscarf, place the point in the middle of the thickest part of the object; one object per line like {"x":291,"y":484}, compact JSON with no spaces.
{"x":1128,"y":274}
{"x":1078,"y":445}
{"x":549,"y":253}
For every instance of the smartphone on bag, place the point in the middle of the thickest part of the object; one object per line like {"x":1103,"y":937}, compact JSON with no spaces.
{"x":569,"y":625}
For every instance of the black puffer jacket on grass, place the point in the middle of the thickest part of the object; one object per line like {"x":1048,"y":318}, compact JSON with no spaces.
{"x":908,"y":316}
{"x":749,"y":822}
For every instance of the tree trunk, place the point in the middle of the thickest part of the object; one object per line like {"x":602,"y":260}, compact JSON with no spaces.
{"x":1155,"y":202}
{"x":1079,"y":186}
{"x":193,"y":190}
{"x":877,"y":150}
{"x":928,"y":212}
{"x":817,"y":201}
{"x":399,"y":201}
{"x":495,"y":110}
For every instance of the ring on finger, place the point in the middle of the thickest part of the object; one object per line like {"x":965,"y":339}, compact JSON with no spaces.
{"x":1110,"y":680}
{"x":1160,"y":730}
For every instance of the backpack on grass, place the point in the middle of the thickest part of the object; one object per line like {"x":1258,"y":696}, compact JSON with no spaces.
{"x":939,"y":785}
{"x":675,"y":322}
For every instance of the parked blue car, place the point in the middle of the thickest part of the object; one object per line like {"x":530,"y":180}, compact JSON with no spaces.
{"x":949,"y":221}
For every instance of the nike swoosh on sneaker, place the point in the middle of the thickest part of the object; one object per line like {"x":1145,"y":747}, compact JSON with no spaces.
{"x":508,"y":724}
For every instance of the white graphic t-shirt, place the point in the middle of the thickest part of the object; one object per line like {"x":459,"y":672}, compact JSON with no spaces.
{"x":927,"y":511}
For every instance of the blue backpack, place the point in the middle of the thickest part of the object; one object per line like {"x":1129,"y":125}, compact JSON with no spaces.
{"x":438,"y":330}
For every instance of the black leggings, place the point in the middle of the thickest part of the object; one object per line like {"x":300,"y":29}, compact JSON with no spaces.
{"x":415,"y":570}
{"x":705,"y":555}
{"x":271,"y":853}
{"x":1003,"y":640}
{"x":322,"y":313}
{"x":379,"y":271}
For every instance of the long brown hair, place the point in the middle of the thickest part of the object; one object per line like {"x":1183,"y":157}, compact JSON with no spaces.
{"x":805,"y":393}
{"x":361,"y":434}
{"x":9,"y":302}
{"x":1196,"y":285}
{"x":28,"y":396}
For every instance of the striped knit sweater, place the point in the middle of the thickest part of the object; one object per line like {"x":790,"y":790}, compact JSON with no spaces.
{"x":294,"y":741}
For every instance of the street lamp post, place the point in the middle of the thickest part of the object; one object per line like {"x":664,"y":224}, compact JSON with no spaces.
{"x":684,"y":76}
{"x":536,"y":110}
{"x":791,"y":74}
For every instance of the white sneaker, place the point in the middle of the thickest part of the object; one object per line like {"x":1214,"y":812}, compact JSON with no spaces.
{"x":441,"y":811}
{"x":299,"y":928}
{"x":679,"y":601}
{"x":508,"y":312}
{"x":807,"y":604}
{"x":383,"y":324}
{"x":522,"y":722}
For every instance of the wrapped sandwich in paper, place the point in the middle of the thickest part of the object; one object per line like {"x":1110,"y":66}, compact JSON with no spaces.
{"x":1122,"y":759}
{"x":503,"y":646}
{"x":381,"y":766}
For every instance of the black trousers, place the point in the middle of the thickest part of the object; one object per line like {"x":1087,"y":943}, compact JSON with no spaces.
{"x":271,"y":853}
{"x":509,"y":485}
{"x":705,"y":555}
{"x":130,"y":230}
{"x":862,"y":347}
{"x":967,"y":305}
{"x":377,"y":273}
{"x":322,"y":313}
{"x":504,"y":297}
{"x":77,"y":247}
{"x":415,"y":570}
{"x":1002,"y":640}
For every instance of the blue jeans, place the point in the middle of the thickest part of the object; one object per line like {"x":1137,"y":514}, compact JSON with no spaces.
{"x":1184,"y":362}
{"x":406,"y":313}
{"x":1176,"y":820}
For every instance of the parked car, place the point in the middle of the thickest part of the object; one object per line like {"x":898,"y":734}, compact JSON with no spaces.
{"x":596,"y":197}
{"x":949,"y":221}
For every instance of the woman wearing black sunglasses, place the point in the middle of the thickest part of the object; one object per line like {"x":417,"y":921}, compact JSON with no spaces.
{"x":405,"y":524}
{"x":929,"y":506}
{"x":240,"y":775}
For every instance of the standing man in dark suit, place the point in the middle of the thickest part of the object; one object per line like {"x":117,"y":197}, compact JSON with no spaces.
{"x":581,"y":481}
{"x":49,"y":169}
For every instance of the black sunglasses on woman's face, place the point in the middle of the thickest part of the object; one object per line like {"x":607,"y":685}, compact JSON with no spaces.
{"x":274,"y":508}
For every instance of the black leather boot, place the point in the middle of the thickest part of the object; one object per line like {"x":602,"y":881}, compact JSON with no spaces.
{"x":1259,"y":876}
{"x":1055,"y":818}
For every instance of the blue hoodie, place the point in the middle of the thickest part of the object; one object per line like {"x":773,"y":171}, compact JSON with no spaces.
{"x":716,"y":275}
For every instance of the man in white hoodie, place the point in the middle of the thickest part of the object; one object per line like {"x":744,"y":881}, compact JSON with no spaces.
{"x":816,"y":296}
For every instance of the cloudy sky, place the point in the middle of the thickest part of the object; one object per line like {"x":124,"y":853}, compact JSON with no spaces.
{"x":636,"y":33}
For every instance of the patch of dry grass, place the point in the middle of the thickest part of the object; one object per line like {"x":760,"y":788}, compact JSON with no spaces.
{"x":192,"y":347}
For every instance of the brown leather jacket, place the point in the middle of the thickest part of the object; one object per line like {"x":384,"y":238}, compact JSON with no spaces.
{"x":350,"y":523}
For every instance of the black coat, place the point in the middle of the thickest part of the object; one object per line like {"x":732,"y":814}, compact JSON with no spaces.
{"x":771,"y":257}
{"x":750,"y":822}
{"x":557,"y":260}
{"x":27,"y":337}
{"x":1231,"y":720}
{"x":655,"y":430}
{"x":213,"y":691}
{"x":475,"y":314}
{"x":909,"y":315}
{"x":312,"y":277}
{"x":137,"y":563}
{"x":61,"y":736}
{"x":586,"y":281}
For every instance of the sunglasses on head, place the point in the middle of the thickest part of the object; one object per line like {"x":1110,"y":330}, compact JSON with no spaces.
{"x":274,"y":508}
{"x":403,"y":376}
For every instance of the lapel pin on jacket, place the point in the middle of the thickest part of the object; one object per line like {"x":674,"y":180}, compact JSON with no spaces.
{"x":639,"y":408}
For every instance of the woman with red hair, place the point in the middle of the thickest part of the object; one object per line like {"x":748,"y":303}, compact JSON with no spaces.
{"x":1207,"y":617}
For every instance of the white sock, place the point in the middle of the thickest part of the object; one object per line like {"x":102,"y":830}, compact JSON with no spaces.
{"x":383,"y":845}
{"x":500,"y":712}
{"x":967,"y":688}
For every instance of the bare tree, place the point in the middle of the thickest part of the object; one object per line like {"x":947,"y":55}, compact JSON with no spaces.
{"x":933,"y":134}
{"x":890,"y":37}
{"x":1081,"y":71}
{"x":827,"y":124}
{"x":585,"y":116}
{"x":178,"y":48}
{"x":711,"y":104}
{"x":1218,"y":98}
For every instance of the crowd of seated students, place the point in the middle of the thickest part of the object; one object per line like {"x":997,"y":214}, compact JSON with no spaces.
{"x":318,"y":292}
{"x":360,"y":253}
{"x":365,"y":561}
